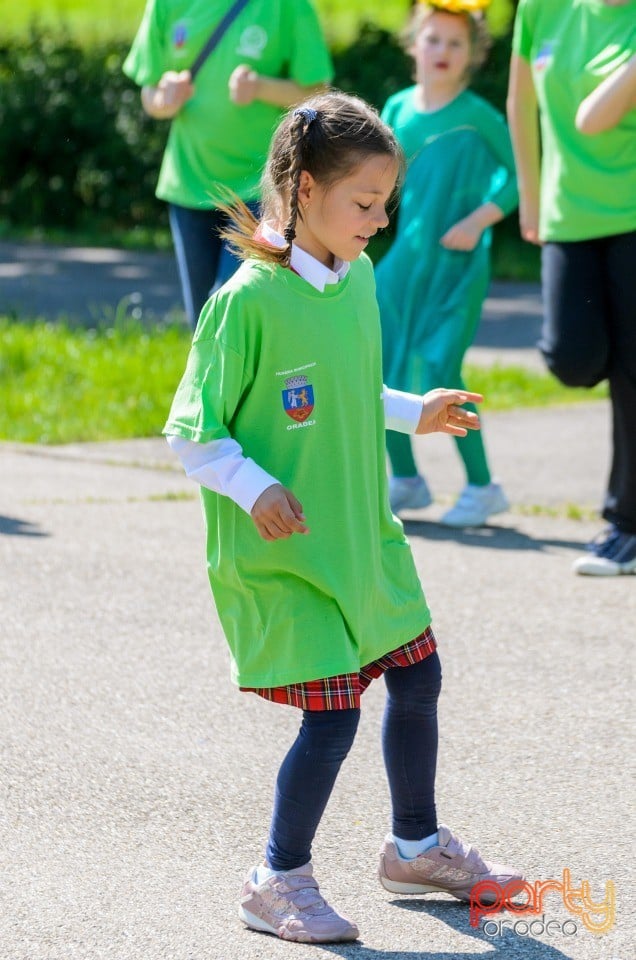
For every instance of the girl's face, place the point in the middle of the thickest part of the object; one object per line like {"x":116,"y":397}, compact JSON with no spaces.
{"x":442,"y":51}
{"x":338,"y":221}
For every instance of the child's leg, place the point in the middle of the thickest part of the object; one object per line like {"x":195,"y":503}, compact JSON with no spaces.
{"x":304,"y":784}
{"x":400,"y":451}
{"x":409,"y":744}
{"x":473,"y":453}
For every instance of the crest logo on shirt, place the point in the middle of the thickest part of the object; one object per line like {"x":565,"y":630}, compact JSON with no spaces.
{"x":298,"y":398}
{"x":543,"y":57}
{"x":252,"y":43}
{"x":179,"y":35}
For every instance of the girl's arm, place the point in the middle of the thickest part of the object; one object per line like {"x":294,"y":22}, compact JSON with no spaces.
{"x":246,"y":85}
{"x":466,"y":233}
{"x":442,"y":412}
{"x":438,"y":411}
{"x":613,"y":98}
{"x":220,"y":465}
{"x":164,"y":100}
{"x":523,"y":118}
{"x":502,"y":198}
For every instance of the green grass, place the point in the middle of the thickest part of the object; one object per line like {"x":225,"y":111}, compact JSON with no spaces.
{"x":64,"y":384}
{"x":508,"y":388}
{"x":60,"y":384}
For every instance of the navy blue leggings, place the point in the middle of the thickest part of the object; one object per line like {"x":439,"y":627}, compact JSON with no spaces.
{"x":409,"y":743}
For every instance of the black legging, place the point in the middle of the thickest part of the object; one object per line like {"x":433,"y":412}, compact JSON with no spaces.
{"x":589,"y":334}
{"x":409,"y":742}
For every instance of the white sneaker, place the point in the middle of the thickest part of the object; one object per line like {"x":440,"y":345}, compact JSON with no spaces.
{"x":474,"y":506}
{"x":409,"y":493}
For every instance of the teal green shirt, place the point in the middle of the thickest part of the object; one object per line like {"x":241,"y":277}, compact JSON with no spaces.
{"x":588,"y":183}
{"x":294,"y":375}
{"x":417,"y":130}
{"x":459,"y":157}
{"x":213,"y":140}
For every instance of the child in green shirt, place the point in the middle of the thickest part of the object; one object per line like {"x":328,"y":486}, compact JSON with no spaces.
{"x":271,"y":55}
{"x":432,"y":282}
{"x":281,"y":416}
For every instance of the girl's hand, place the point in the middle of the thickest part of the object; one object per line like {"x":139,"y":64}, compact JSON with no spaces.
{"x":244,"y":84}
{"x":442,"y":413}
{"x":277,"y":514}
{"x":463,"y":235}
{"x":173,"y":90}
{"x":529,"y":219}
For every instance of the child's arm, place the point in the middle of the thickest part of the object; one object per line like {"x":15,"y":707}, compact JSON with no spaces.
{"x":437,"y":411}
{"x":246,"y":85}
{"x":613,"y":98}
{"x":442,"y":412}
{"x":164,"y":100}
{"x":220,"y":465}
{"x":523,"y":117}
{"x":277,"y":514}
{"x":466,"y":233}
{"x":501,"y":197}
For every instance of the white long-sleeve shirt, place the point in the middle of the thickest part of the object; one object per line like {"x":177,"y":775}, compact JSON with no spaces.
{"x":221,"y":465}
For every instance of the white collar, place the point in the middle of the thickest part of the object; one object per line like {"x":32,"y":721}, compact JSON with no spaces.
{"x":304,"y":264}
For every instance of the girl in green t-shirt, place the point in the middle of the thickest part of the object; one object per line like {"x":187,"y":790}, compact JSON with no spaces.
{"x":281,"y":417}
{"x":432,"y":282}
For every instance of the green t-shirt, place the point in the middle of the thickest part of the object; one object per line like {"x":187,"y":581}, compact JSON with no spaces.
{"x":588,"y":183}
{"x":294,"y":375}
{"x":213,"y":140}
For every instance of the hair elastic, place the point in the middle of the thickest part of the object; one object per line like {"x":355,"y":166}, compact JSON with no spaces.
{"x":307,"y":113}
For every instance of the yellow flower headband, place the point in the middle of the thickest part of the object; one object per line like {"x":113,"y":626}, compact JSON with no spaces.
{"x":458,"y":6}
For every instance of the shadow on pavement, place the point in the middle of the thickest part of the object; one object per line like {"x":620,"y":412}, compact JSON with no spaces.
{"x":14,"y":527}
{"x":496,"y":538}
{"x":455,"y":915}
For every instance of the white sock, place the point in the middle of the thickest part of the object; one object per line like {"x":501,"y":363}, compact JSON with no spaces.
{"x":263,"y":873}
{"x":409,"y":849}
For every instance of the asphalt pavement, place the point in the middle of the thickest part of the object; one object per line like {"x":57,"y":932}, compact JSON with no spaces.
{"x":136,"y":782}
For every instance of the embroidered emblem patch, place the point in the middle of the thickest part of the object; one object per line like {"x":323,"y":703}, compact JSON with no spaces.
{"x":252,"y":43}
{"x":543,"y":57}
{"x":179,"y":35}
{"x":298,"y":398}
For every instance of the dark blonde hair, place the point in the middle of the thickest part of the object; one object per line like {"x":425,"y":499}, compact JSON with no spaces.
{"x":478,"y":33}
{"x":328,"y":135}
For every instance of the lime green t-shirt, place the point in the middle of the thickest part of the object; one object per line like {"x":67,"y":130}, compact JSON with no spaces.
{"x":213,"y":140}
{"x":294,"y":375}
{"x":588,"y":183}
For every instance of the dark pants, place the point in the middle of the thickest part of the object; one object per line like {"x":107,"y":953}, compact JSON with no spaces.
{"x":589,"y":335}
{"x":409,"y":744}
{"x":204,"y":261}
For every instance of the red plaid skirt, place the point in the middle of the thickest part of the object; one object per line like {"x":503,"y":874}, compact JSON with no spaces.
{"x":343,"y":692}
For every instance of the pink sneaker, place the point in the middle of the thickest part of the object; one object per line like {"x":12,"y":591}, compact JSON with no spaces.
{"x":450,"y":867}
{"x":290,"y":906}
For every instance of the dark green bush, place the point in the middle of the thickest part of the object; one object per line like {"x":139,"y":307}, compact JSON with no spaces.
{"x":77,"y":151}
{"x":75,"y":146}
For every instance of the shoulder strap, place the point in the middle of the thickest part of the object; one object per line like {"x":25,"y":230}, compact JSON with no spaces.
{"x":216,"y":35}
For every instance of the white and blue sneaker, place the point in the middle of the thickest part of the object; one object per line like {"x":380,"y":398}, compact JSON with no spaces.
{"x":409,"y":493}
{"x":612,"y":554}
{"x":474,"y":505}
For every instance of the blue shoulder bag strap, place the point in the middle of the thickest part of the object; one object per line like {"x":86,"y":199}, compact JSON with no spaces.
{"x":215,"y":37}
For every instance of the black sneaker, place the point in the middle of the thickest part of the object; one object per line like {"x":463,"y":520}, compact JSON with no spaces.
{"x":613,"y":554}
